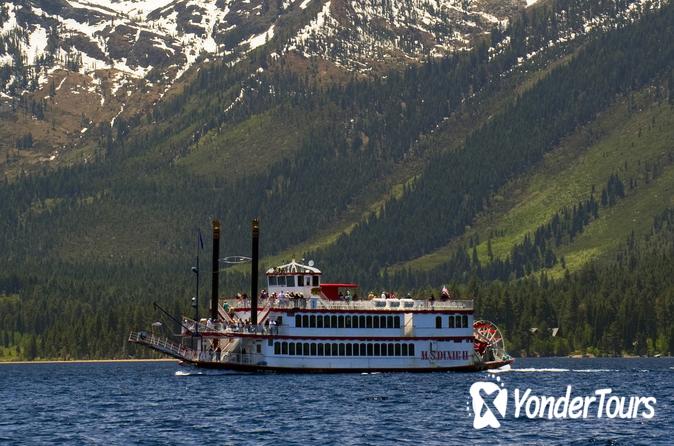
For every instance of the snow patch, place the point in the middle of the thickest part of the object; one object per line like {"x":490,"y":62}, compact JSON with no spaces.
{"x":260,"y":39}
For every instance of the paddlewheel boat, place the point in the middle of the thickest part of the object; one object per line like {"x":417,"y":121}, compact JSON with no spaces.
{"x":300,"y":324}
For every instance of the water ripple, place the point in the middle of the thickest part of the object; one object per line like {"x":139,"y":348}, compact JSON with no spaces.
{"x":159,"y":403}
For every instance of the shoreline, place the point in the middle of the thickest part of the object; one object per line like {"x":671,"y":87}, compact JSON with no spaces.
{"x":87,"y":361}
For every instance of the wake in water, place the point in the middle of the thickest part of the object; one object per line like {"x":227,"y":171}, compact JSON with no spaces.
{"x":206,"y":373}
{"x":550,"y":370}
{"x":187,"y":373}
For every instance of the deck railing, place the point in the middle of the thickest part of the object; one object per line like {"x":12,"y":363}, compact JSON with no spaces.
{"x":357,"y":305}
{"x":229,"y":328}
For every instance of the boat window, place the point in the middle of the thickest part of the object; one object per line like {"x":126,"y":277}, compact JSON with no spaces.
{"x":349,"y":350}
{"x":397,"y":349}
{"x":272,"y":281}
{"x":411,"y":349}
{"x":363,"y":349}
{"x":369,"y":322}
{"x":290,"y":281}
{"x":319,"y":321}
{"x":334,"y":350}
{"x":396,"y":322}
{"x":361,"y":321}
{"x":258,"y":348}
{"x":389,"y":322}
{"x":291,"y":348}
{"x":464,"y":321}
{"x":354,"y":322}
{"x":340,"y":322}
{"x":320,"y":349}
{"x":404,"y":349}
{"x":377,"y":349}
{"x":279,"y":321}
{"x":347,"y":321}
{"x":457,"y":323}
{"x":307,"y":280}
{"x":313,"y":349}
{"x":382,"y":321}
{"x":298,"y":348}
{"x":281,"y":281}
{"x":284,"y":348}
{"x":327,"y":350}
{"x":312,"y":321}
{"x":450,"y":322}
{"x":356,"y":350}
{"x":375,"y":322}
{"x":438,"y":322}
{"x":298,"y":320}
{"x":306,"y":349}
{"x":305,"y":320}
{"x":327,"y":322}
{"x":277,"y":348}
{"x":315,"y":280}
{"x":370,"y":350}
{"x":341,"y":350}
{"x":333,"y":321}
{"x":391,"y":349}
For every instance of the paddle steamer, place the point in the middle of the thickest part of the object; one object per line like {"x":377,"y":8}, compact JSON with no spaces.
{"x":300,"y":324}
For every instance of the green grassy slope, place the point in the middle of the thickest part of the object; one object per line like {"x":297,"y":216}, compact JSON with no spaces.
{"x":628,"y":139}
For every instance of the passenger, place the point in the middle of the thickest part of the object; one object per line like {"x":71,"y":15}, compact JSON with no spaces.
{"x":432,"y":299}
{"x":383,"y":295}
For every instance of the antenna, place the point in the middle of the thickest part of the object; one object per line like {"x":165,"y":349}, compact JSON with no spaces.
{"x":233,"y":260}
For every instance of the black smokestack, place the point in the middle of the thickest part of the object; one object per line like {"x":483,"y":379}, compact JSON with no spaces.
{"x":254,"y":272}
{"x":215,"y":279}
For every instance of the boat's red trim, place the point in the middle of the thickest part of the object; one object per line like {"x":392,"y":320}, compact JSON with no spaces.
{"x":306,"y":273}
{"x":339,"y":338}
{"x":263,"y":368}
{"x":357,"y":311}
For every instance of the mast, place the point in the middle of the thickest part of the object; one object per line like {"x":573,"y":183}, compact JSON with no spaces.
{"x":215,"y":277}
{"x":195,"y":299}
{"x":254,"y":271}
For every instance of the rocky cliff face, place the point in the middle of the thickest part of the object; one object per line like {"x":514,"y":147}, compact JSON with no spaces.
{"x":159,"y":40}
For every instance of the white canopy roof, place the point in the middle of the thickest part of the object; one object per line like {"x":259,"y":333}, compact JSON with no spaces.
{"x":293,"y":268}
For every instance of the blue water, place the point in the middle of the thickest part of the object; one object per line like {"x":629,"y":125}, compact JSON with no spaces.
{"x":149,"y":403}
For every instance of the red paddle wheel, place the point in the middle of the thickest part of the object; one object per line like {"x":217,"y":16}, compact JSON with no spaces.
{"x":488,"y":343}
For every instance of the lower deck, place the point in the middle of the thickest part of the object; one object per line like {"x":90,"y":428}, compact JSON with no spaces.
{"x":358,"y":354}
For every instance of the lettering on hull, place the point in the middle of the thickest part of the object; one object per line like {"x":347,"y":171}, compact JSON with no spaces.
{"x":444,"y":355}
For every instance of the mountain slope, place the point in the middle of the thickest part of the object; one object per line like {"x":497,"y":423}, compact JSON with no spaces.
{"x":629,"y":139}
{"x":362,"y":173}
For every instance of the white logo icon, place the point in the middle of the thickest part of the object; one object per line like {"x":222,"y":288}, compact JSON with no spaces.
{"x":484,"y":416}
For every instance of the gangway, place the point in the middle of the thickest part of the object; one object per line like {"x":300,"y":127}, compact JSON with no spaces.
{"x":163,"y":345}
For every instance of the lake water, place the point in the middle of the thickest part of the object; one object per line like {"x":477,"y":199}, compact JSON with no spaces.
{"x":159,"y":403}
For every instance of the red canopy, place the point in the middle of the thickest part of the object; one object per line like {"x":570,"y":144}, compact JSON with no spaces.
{"x":331,"y":290}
